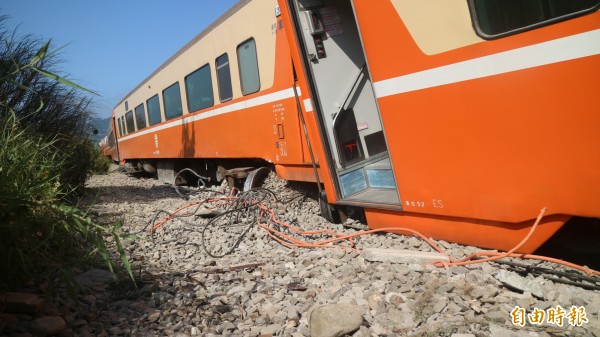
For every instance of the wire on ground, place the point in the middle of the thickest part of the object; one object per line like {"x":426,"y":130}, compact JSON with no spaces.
{"x":254,"y":208}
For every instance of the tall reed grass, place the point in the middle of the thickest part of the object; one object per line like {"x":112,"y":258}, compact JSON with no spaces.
{"x":45,"y":158}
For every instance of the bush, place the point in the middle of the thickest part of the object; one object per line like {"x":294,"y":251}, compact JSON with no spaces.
{"x":45,"y":158}
{"x":39,"y":232}
{"x":81,"y":156}
{"x":100,"y":163}
{"x":29,"y":192}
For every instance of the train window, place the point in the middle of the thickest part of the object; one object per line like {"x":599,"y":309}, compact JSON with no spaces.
{"x":153,"y":110}
{"x":111,"y":139}
{"x":498,"y":18}
{"x":172,"y":101}
{"x":119,"y":126}
{"x":198,"y":87}
{"x":123,"y":125}
{"x":129,"y":122}
{"x":248,"y":63}
{"x":140,"y":116}
{"x":224,"y":78}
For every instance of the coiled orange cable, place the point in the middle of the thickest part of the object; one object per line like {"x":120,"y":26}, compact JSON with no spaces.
{"x":287,"y":240}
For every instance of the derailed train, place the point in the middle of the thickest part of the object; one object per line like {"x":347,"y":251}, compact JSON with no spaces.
{"x":457,"y":118}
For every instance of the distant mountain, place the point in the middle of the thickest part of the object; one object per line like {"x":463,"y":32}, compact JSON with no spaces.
{"x":101,"y":125}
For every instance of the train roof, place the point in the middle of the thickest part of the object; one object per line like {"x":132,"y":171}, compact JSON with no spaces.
{"x":239,"y":5}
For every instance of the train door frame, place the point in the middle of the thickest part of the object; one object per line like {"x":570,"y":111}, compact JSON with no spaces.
{"x":341,"y":171}
{"x":116,"y":138}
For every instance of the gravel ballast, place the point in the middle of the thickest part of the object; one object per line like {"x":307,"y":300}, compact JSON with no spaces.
{"x":266,"y":289}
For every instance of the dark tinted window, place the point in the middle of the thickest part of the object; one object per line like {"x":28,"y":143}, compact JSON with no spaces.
{"x":248,"y":64}
{"x":198,"y":87}
{"x":224,"y":78}
{"x":111,"y":139}
{"x":140,"y":116}
{"x":172,"y":101}
{"x":129,"y":122}
{"x":123,"y":125}
{"x":499,"y":17}
{"x":153,"y":110}
{"x":120,"y":128}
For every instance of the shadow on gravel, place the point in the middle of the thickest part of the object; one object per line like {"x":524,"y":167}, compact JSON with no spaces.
{"x":307,"y":189}
{"x":161,"y":305}
{"x":131,"y":194}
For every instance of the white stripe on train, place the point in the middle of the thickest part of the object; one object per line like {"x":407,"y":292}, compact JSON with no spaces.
{"x":563,"y":49}
{"x":264,"y":99}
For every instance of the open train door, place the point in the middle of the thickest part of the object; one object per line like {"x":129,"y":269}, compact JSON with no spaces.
{"x":327,"y":43}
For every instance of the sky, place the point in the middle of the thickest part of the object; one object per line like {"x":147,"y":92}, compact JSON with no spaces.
{"x":111,"y":46}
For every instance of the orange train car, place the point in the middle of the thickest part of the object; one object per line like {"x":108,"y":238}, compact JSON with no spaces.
{"x":103,"y":147}
{"x":458,"y":118}
{"x":108,"y":146}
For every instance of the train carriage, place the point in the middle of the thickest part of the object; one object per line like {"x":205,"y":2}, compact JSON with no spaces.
{"x":458,"y":118}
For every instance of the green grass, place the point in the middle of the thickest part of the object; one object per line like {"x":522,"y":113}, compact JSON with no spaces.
{"x":45,"y":157}
{"x":100,"y":163}
{"x":39,"y":231}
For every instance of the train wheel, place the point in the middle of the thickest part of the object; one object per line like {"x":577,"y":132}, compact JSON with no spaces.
{"x":256,"y":178}
{"x":130,"y":168}
{"x":328,"y":211}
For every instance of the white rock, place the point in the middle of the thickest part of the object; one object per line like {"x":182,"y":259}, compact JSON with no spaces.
{"x":513,"y":280}
{"x":335,"y":320}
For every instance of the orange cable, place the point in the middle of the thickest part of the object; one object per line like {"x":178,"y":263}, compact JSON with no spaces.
{"x":169,"y":217}
{"x":288,"y":240}
{"x":465,"y":261}
{"x":468,"y":259}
